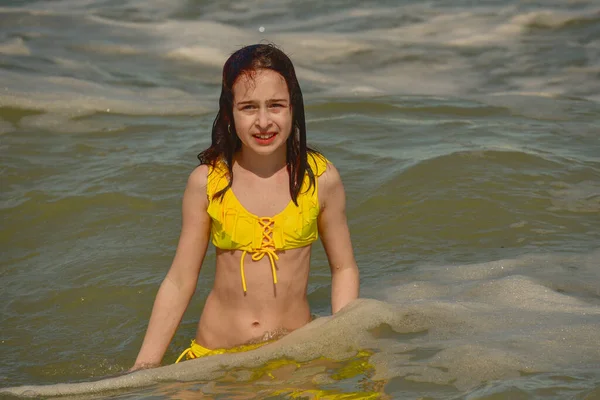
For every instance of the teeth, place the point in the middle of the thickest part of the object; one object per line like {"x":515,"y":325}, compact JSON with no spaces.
{"x":267,"y":136}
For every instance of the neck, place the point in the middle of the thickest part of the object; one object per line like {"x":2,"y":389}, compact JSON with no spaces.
{"x":263,"y":166}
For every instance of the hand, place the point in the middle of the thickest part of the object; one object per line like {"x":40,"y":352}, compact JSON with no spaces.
{"x":141,"y":366}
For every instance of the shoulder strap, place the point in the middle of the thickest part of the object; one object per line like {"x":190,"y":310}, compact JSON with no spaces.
{"x":317,"y":162}
{"x":218,"y":178}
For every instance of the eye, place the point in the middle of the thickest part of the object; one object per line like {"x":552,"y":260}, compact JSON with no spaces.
{"x":248,"y":107}
{"x":277,"y":105}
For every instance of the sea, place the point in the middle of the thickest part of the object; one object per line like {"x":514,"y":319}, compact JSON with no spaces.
{"x":467,"y":135}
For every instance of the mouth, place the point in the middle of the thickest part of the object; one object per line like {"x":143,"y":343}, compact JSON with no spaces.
{"x":265,"y":139}
{"x":265,"y":136}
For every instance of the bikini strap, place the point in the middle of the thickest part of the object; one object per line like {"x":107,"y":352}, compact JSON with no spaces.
{"x":217,"y":179}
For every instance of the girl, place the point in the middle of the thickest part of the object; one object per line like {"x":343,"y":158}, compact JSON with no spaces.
{"x":262,"y":197}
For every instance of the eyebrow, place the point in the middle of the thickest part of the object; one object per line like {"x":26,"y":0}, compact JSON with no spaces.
{"x":268,"y":101}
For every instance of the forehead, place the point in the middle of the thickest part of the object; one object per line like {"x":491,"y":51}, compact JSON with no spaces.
{"x":260,"y":84}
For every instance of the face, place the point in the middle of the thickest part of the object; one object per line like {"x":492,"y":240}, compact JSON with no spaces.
{"x":262,"y":111}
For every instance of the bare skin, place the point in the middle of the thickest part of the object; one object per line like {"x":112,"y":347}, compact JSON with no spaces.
{"x":230,"y":316}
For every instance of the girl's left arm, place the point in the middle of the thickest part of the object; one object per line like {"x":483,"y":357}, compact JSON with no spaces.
{"x":335,"y":236}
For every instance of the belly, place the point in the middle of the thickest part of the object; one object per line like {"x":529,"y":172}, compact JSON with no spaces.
{"x":221,"y":326}
{"x":266,"y":310}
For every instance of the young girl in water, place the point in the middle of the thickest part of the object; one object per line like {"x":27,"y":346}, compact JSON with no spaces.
{"x":262,"y":197}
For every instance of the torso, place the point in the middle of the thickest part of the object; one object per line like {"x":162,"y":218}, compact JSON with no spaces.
{"x":232,"y":317}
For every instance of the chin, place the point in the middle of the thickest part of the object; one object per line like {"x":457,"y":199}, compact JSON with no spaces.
{"x":267,"y":150}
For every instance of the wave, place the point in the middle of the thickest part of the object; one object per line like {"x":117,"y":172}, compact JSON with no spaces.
{"x":319,"y":338}
{"x":456,"y":326}
{"x":556,"y":20}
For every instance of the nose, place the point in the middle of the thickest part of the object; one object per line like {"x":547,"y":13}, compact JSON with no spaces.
{"x":262,"y":119}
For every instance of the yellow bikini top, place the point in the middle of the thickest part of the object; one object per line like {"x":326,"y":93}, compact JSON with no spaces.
{"x":235,"y":228}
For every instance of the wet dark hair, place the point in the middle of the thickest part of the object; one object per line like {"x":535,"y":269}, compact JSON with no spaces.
{"x":225,"y":141}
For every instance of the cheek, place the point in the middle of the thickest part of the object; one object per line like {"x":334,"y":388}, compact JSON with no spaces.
{"x":240,"y":121}
{"x":286,"y":119}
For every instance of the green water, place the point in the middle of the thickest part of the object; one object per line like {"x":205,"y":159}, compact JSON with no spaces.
{"x":467,"y":139}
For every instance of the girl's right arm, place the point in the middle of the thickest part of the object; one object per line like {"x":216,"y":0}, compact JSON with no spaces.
{"x":177,"y":288}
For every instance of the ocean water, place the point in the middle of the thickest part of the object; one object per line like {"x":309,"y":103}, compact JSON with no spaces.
{"x":467,"y":135}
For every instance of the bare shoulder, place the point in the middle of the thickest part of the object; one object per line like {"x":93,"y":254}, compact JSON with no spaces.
{"x":330,"y":178}
{"x":198,"y":178}
{"x":196,"y":194}
{"x":330,"y":185}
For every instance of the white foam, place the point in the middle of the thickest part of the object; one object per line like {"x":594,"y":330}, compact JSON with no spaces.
{"x":179,"y":39}
{"x":112,"y":49}
{"x":202,"y":54}
{"x":486,"y":322}
{"x":14,"y":47}
{"x":461,"y":28}
{"x":69,"y":97}
{"x":316,"y":54}
{"x":65,"y":123}
{"x":300,"y":345}
{"x":325,"y":47}
{"x":545,"y":18}
{"x":157,"y":8}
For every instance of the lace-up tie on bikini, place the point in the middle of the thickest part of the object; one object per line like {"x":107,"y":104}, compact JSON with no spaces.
{"x":267,"y":248}
{"x":235,"y":228}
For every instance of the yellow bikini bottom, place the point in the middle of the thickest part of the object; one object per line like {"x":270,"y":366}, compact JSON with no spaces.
{"x":197,"y":351}
{"x":359,"y":366}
